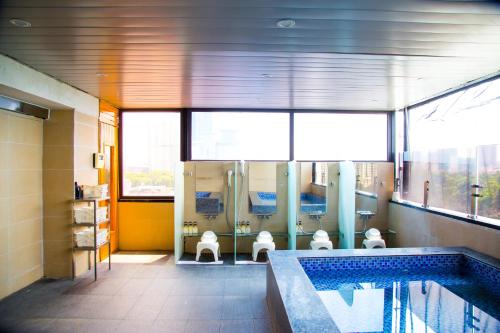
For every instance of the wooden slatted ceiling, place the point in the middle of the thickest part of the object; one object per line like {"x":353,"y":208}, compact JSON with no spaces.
{"x":352,"y":54}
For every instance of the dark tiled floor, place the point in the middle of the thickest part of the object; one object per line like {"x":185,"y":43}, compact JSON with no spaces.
{"x":153,"y":297}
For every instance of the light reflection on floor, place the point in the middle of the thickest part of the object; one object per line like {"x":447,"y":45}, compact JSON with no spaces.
{"x":125,"y":257}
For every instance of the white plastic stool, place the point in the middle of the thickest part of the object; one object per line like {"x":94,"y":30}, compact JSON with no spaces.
{"x":373,"y":244}
{"x":208,"y":242}
{"x":264,"y":242}
{"x":321,"y":241}
{"x":318,"y":245}
{"x":373,"y":240}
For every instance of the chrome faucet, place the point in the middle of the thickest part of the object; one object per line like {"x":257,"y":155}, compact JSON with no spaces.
{"x":365,"y":215}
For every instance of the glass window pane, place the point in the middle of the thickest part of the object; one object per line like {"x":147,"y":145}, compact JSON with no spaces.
{"x":240,"y":136}
{"x":488,"y":160}
{"x":454,"y":143}
{"x":151,"y":148}
{"x":449,"y":172}
{"x":339,"y":136}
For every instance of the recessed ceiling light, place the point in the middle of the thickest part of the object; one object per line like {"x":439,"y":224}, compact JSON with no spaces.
{"x":285,"y":23}
{"x":101,"y":74}
{"x":266,"y":75}
{"x":20,"y":23}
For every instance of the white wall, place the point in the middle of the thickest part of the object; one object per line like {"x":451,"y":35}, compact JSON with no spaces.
{"x":25,"y":83}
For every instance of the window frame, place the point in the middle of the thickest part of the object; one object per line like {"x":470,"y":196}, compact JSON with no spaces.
{"x":186,"y":139}
{"x":187,"y":151}
{"x":143,"y":198}
{"x":389,"y":132}
{"x":400,"y":174}
{"x":189,"y":132}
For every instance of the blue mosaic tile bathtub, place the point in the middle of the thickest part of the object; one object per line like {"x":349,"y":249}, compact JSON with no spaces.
{"x":439,"y":293}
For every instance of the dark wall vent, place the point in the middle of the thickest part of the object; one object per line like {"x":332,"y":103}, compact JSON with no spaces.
{"x":14,"y":105}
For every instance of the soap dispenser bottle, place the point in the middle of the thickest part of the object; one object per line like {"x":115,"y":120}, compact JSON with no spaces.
{"x":195,"y":228}
{"x":248,"y":227}
{"x":185,"y":230}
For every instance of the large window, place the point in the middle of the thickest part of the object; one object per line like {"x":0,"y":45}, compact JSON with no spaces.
{"x":454,"y":143}
{"x":340,"y":136}
{"x":150,"y":150}
{"x":240,"y":136}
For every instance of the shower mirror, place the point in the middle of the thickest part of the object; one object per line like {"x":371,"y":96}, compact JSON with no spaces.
{"x":313,"y":185}
{"x":262,"y":188}
{"x":209,"y":188}
{"x":366,"y":187}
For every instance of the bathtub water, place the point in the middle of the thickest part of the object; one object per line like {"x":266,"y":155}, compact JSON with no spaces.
{"x":447,"y":293}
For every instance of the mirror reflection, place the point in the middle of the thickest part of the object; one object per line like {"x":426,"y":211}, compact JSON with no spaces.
{"x":262,"y":188}
{"x":313,"y":182}
{"x":209,"y":183}
{"x":366,"y":178}
{"x":366,"y":191}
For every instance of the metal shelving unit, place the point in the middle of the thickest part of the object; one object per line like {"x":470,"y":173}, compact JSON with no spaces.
{"x":95,"y":225}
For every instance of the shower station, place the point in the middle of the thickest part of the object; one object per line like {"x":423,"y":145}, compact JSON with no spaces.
{"x":237,"y":211}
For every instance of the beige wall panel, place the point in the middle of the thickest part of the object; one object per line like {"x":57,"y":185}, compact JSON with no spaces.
{"x":58,"y":157}
{"x":416,"y":228}
{"x":27,"y":207}
{"x":20,"y":201}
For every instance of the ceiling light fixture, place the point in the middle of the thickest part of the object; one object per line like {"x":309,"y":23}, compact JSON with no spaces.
{"x":101,"y":74}
{"x":267,"y":76}
{"x":20,"y":23}
{"x":285,"y":23}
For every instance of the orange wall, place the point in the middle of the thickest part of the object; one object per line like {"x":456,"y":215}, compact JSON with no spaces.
{"x":145,"y":226}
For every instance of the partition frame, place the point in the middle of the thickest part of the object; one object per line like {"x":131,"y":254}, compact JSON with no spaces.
{"x":179,"y":212}
{"x":292,"y":205}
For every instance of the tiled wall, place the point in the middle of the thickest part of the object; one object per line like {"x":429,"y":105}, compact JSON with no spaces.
{"x":58,"y":135}
{"x":70,"y":138}
{"x":21,"y":262}
{"x":85,"y":144}
{"x":417,"y":228}
{"x":58,"y":192}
